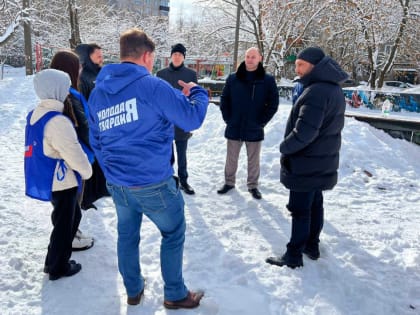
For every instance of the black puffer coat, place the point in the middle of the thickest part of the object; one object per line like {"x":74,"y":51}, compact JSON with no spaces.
{"x":310,"y":149}
{"x":94,"y":187}
{"x":89,"y":72}
{"x":82,"y":128}
{"x":248,"y":105}
{"x":172,"y":74}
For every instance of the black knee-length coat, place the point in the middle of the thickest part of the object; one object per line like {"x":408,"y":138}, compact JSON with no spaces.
{"x":312,"y":140}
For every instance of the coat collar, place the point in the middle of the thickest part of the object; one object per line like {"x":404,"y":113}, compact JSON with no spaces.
{"x":173,"y":68}
{"x":241,"y":72}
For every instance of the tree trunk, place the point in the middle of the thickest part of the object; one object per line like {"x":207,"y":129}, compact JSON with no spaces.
{"x":397,"y":41}
{"x":74,"y":25}
{"x":27,"y":38}
{"x":235,"y":48}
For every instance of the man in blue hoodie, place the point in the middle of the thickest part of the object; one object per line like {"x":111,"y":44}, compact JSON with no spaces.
{"x":132,"y":118}
{"x":310,"y":151}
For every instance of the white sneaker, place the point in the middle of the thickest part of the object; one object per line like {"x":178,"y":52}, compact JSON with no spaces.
{"x":79,"y":244}
{"x":80,"y":234}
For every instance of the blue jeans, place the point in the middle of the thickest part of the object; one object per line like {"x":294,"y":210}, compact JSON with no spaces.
{"x":163,"y":204}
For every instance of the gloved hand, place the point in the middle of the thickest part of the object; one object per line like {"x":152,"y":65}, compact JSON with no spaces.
{"x":284,"y":162}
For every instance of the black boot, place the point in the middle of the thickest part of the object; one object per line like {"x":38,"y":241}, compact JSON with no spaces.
{"x":47,"y":269}
{"x":72,"y":269}
{"x":312,"y":251}
{"x":187,"y":188}
{"x":225,"y":189}
{"x":287,"y":259}
{"x":255,"y":193}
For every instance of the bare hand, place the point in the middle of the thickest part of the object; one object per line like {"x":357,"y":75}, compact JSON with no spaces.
{"x":186,"y":87}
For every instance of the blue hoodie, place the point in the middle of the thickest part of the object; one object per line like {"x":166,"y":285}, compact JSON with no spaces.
{"x":131,"y":120}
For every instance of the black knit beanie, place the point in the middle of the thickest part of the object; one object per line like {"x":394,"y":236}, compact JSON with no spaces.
{"x":312,"y":55}
{"x":178,"y":48}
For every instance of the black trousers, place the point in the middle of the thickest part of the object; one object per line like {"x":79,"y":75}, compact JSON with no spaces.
{"x":181,"y":155}
{"x":65,"y":218}
{"x":307,"y":210}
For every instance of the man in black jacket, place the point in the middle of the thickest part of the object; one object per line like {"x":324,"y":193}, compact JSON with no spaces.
{"x":91,"y":58}
{"x":172,"y":74}
{"x":310,"y":151}
{"x":249,"y":100}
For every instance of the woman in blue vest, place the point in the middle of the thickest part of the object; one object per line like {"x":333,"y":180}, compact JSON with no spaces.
{"x":76,"y":108}
{"x":54,"y":170}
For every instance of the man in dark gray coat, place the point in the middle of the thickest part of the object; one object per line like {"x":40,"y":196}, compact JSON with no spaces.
{"x":310,"y":151}
{"x":172,"y":74}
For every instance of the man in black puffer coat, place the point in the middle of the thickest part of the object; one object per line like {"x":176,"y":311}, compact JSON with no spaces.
{"x":172,"y":74}
{"x":249,"y":100}
{"x":91,"y":58}
{"x":310,"y":151}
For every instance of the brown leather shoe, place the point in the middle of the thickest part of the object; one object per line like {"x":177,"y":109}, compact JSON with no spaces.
{"x":135,"y":300}
{"x":191,"y":301}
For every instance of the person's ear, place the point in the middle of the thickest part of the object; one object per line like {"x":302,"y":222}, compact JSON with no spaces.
{"x":144,"y":57}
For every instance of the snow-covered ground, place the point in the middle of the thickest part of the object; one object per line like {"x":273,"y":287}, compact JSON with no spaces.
{"x":370,"y":246}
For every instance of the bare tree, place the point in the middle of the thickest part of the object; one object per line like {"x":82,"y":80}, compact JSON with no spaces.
{"x":28,"y":38}
{"x":10,"y":18}
{"x":274,"y":26}
{"x":58,"y":25}
{"x":360,"y":34}
{"x":74,"y":24}
{"x":382,"y":25}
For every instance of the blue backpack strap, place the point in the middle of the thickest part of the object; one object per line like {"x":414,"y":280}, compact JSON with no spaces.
{"x":82,"y":100}
{"x":89,"y":153}
{"x":61,"y":173}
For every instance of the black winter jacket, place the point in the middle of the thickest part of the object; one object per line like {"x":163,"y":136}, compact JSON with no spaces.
{"x":82,"y":128}
{"x":89,"y":72}
{"x":172,"y":74}
{"x":248,"y":105}
{"x":312,"y":140}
